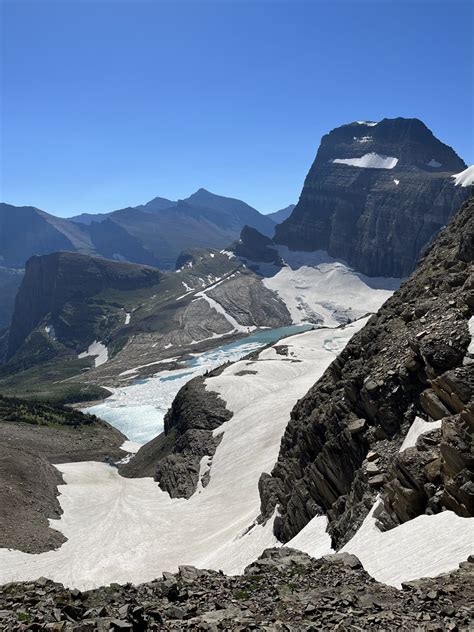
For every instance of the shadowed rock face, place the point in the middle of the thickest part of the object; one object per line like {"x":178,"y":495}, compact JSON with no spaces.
{"x":254,"y":246}
{"x":341,"y":446}
{"x":377,"y":219}
{"x":52,"y":280}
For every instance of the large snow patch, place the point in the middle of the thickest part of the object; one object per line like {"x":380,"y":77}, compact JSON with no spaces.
{"x":121,"y":529}
{"x":317,"y":289}
{"x":369,"y":161}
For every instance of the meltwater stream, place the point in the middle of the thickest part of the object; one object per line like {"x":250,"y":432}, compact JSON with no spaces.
{"x":138,"y":410}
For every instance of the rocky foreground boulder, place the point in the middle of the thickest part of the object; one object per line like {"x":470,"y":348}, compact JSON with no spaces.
{"x":285,"y":590}
{"x":375,"y":196}
{"x":412,"y":362}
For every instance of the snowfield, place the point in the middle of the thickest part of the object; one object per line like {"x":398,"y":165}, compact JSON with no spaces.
{"x":369,"y":161}
{"x":128,"y":530}
{"x":318,"y":289}
{"x":121,"y":529}
{"x":98,"y":350}
{"x":423,"y":547}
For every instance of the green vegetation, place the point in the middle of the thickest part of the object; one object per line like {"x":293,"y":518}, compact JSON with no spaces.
{"x":41,"y":414}
{"x":49,"y":382}
{"x":23,"y":616}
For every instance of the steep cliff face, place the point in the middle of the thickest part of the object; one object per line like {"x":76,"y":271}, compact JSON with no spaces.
{"x":52,"y":282}
{"x":375,"y":196}
{"x":411,"y":367}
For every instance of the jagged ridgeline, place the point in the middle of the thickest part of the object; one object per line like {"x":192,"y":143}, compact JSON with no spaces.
{"x":411,"y":363}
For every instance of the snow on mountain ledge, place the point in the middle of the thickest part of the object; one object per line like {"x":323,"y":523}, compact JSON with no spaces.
{"x":423,"y":547}
{"x":419,"y":427}
{"x":369,"y":161}
{"x":470,"y":349}
{"x":98,"y":350}
{"x":464,"y":178}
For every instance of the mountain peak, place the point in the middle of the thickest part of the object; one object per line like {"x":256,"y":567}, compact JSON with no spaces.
{"x":381,"y":178}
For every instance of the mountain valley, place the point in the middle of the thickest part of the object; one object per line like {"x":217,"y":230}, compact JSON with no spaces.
{"x":283,"y":402}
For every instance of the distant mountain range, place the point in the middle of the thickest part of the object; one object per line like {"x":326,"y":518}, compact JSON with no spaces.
{"x":282,"y":214}
{"x":153,"y":234}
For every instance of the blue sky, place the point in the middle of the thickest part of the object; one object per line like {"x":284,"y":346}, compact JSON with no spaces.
{"x":108,"y":104}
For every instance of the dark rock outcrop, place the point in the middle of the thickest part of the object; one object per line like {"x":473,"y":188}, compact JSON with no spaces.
{"x":254,"y":246}
{"x":283,"y":590}
{"x":377,"y":219}
{"x":174,"y":457}
{"x":341,"y":446}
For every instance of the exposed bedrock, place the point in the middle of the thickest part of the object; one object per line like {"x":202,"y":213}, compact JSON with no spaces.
{"x":377,"y":215}
{"x":174,"y":457}
{"x":341,"y":446}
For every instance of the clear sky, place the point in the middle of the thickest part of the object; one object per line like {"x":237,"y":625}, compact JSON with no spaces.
{"x":108,"y":104}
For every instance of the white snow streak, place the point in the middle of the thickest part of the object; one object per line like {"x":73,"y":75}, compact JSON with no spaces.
{"x":369,"y":161}
{"x":433,"y":163}
{"x":229,"y":254}
{"x":143,"y":366}
{"x":98,"y":350}
{"x":464,"y":178}
{"x":470,"y":349}
{"x":419,"y":427}
{"x":49,"y":329}
{"x":397,"y":182}
{"x":237,"y":327}
{"x":131,"y":446}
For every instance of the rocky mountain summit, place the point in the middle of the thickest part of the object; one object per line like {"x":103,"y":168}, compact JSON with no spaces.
{"x":375,"y":196}
{"x":284,"y":590}
{"x":407,"y":373}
